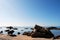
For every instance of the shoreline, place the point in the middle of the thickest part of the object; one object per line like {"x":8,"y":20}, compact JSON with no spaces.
{"x":22,"y":37}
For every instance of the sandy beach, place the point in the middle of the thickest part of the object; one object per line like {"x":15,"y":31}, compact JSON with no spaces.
{"x":22,"y":37}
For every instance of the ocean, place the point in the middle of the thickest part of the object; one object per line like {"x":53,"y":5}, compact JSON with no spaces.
{"x":23,"y":29}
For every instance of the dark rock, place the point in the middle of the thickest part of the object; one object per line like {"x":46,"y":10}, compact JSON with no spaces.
{"x":10,"y":32}
{"x":18,"y":33}
{"x":13,"y":35}
{"x":41,"y":32}
{"x":6,"y":30}
{"x":27,"y":33}
{"x":51,"y":28}
{"x":32,"y":28}
{"x":1,"y":32}
{"x":10,"y":27}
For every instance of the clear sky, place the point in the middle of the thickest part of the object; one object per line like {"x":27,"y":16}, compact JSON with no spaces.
{"x":29,"y":12}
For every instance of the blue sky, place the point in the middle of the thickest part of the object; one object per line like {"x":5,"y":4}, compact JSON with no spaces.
{"x":29,"y":12}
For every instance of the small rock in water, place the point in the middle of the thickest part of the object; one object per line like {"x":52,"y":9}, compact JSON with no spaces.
{"x":18,"y":33}
{"x":26,"y":28}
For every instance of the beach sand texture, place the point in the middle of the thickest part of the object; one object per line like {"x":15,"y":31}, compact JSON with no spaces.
{"x":22,"y":37}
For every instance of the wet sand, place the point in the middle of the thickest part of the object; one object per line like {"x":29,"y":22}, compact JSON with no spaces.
{"x":22,"y":37}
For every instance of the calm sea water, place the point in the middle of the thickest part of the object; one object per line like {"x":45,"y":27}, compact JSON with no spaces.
{"x":22,"y":30}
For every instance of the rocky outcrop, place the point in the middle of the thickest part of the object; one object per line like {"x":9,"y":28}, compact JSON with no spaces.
{"x":53,"y":28}
{"x":41,"y":32}
{"x":10,"y":31}
{"x":27,"y":33}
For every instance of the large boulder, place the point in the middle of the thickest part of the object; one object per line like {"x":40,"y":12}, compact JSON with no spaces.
{"x":41,"y":32}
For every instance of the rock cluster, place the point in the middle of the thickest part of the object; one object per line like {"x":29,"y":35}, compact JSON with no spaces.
{"x":10,"y":31}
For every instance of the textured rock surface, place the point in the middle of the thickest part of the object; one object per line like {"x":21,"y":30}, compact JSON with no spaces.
{"x":42,"y":32}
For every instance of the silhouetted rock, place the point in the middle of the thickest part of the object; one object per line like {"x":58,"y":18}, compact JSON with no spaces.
{"x":10,"y":27}
{"x":51,"y":28}
{"x":32,"y":28}
{"x":18,"y":33}
{"x":10,"y":32}
{"x":6,"y":30}
{"x":1,"y":32}
{"x":27,"y":33}
{"x":13,"y":35}
{"x":41,"y":32}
